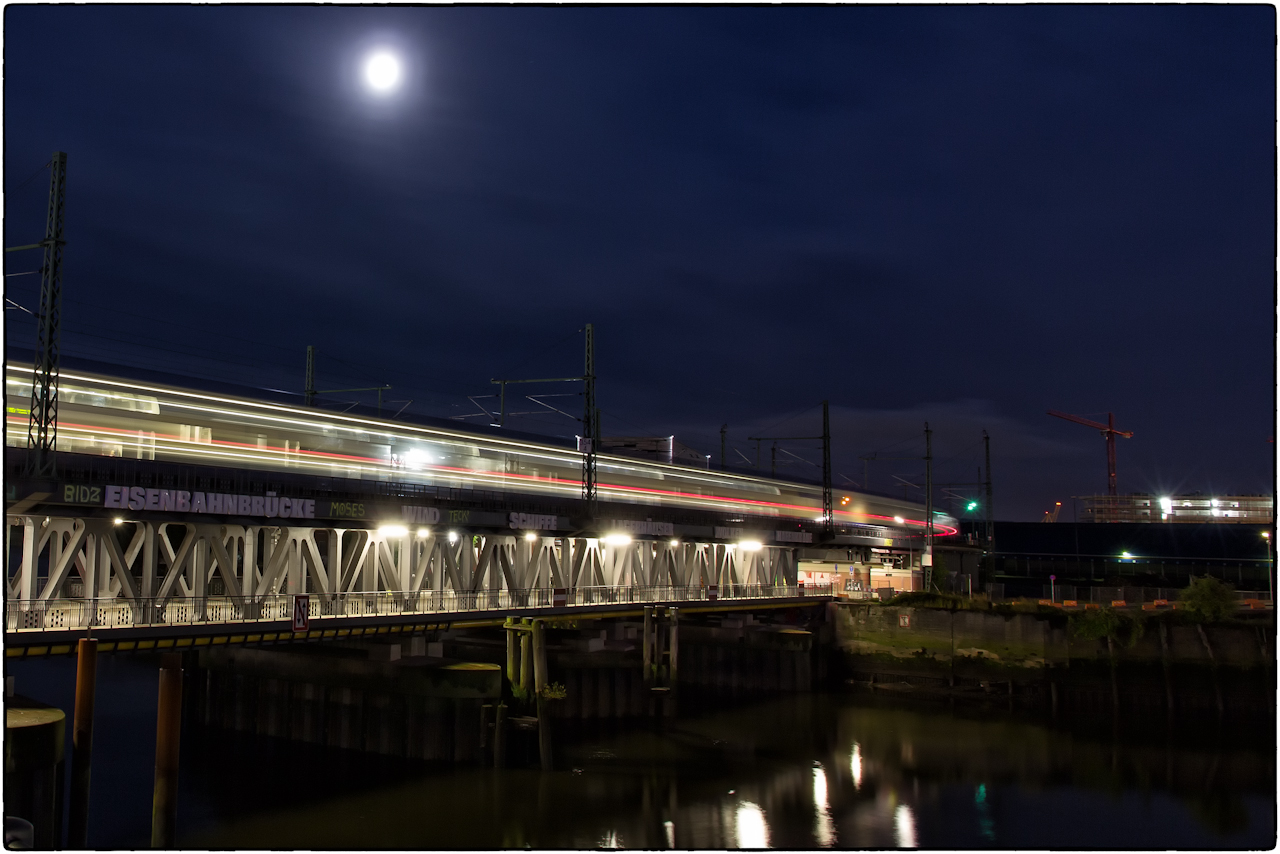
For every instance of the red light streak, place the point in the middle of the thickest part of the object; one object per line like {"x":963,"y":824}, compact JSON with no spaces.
{"x":493,"y":475}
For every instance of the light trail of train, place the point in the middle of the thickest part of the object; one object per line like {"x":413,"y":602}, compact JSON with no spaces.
{"x":111,"y":416}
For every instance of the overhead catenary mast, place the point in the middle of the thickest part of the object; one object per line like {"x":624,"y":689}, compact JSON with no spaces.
{"x":590,"y":424}
{"x":42,"y":424}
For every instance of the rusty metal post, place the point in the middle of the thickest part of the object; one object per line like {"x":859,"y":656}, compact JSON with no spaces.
{"x":82,"y":743}
{"x":164,"y":801}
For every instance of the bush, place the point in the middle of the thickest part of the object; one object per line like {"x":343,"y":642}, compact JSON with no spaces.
{"x":1096,"y":624}
{"x":1209,"y":599}
{"x":925,"y":599}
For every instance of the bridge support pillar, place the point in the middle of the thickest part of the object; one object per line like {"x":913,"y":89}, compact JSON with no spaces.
{"x":513,"y":669}
{"x":164,"y":803}
{"x":674,"y":645}
{"x":82,"y":743}
{"x":539,"y":657}
{"x":526,"y":659}
{"x":647,"y":646}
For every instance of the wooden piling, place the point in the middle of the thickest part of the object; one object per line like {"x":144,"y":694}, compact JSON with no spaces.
{"x":544,"y":735}
{"x":500,"y":735}
{"x":164,"y":801}
{"x":82,"y":743}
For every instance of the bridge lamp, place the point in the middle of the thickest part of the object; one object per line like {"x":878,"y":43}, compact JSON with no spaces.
{"x":119,"y":521}
{"x":393,"y":531}
{"x":677,"y":542}
{"x":617,"y":540}
{"x":530,"y":537}
{"x":1126,"y":556}
{"x":423,"y":533}
{"x":453,"y":536}
{"x":750,"y":545}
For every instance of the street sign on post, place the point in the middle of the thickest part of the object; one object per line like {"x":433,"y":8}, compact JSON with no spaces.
{"x":301,"y":613}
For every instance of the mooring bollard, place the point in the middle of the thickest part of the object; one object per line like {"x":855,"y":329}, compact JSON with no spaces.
{"x":82,"y":743}
{"x":164,"y":801}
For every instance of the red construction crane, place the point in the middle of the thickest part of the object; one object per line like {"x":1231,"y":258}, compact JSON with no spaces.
{"x":1109,"y":432}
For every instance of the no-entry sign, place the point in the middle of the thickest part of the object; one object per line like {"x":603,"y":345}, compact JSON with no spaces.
{"x":301,"y":613}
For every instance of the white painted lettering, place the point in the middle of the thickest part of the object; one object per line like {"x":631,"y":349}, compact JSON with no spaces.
{"x":153,"y":500}
{"x":256,"y":506}
{"x":245,"y":504}
{"x":166,"y":499}
{"x":286,"y":507}
{"x":215,"y":502}
{"x":310,"y":510}
{"x":184,"y":501}
{"x":137,"y":498}
{"x":197,"y":503}
{"x":113,"y":497}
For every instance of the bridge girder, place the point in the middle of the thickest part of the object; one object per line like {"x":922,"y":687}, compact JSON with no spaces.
{"x":57,"y":558}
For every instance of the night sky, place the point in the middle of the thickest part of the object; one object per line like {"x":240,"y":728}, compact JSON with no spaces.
{"x":964,"y":215}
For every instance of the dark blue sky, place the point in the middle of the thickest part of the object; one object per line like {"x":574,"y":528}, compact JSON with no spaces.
{"x":959,"y":214}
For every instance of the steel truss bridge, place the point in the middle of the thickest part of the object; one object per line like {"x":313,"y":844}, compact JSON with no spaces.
{"x":70,"y":574}
{"x":173,"y":507}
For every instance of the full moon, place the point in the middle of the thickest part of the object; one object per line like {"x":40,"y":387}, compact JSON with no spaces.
{"x":382,"y":71}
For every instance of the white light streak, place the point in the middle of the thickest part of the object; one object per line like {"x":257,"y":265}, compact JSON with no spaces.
{"x":393,"y":531}
{"x":855,"y":766}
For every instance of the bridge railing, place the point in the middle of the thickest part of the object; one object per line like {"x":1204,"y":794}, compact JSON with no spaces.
{"x":139,"y":613}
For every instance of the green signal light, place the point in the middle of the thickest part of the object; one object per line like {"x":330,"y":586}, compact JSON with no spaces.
{"x":973,"y":505}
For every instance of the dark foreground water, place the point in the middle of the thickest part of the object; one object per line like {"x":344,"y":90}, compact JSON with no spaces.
{"x":822,"y":770}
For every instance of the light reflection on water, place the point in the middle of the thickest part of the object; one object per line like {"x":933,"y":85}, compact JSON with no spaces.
{"x":796,"y":773}
{"x":904,"y":827}
{"x":752,"y":831}
{"x":824,"y":829}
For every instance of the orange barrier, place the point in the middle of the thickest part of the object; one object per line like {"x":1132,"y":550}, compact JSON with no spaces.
{"x":1118,"y":603}
{"x":1068,"y":603}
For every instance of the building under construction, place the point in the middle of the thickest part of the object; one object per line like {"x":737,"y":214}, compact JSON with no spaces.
{"x":1144,"y":507}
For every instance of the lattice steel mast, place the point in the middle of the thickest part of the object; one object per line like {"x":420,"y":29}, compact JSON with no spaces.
{"x":590,"y":425}
{"x":42,"y":429}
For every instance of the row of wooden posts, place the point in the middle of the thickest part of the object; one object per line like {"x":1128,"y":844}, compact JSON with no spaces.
{"x":526,"y":673}
{"x":527,"y":676}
